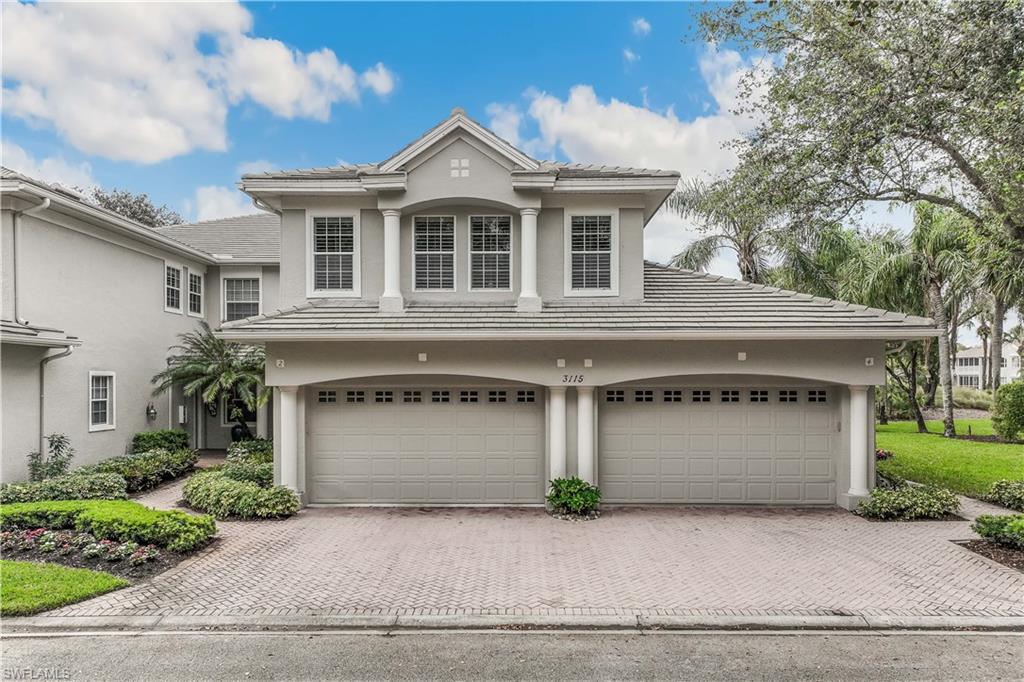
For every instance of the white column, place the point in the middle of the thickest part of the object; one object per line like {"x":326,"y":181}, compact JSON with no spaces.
{"x":290,"y":436}
{"x":261,"y":421}
{"x":859,"y":441}
{"x":585,"y":419}
{"x":529,"y":299}
{"x":556,"y":432}
{"x":391,"y":299}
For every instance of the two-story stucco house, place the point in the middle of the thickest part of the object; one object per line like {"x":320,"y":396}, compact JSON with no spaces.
{"x":460,"y":323}
{"x":967,"y":371}
{"x":91,"y":303}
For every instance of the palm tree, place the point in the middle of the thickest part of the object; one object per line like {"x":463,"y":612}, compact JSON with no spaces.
{"x":1001,"y":262}
{"x":936,"y":261}
{"x":214,"y":368}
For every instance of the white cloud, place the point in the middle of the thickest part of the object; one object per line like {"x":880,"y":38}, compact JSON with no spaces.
{"x":128,"y":81}
{"x":505,"y":121}
{"x":379,"y":79}
{"x":641,"y":26}
{"x":257,"y":166}
{"x":213,"y":201}
{"x":54,"y":169}
{"x":629,"y":55}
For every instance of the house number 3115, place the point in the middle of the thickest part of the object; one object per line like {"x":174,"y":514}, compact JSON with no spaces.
{"x":572,"y":378}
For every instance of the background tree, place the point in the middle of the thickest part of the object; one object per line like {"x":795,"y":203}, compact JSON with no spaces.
{"x":136,"y":206}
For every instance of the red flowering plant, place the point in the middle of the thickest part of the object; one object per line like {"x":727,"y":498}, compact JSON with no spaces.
{"x":881,"y":454}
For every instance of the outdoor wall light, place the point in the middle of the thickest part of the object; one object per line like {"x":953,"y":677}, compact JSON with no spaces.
{"x":151,"y":411}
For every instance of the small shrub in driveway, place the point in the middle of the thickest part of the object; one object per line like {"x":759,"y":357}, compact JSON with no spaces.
{"x":1007,"y":530}
{"x":1009,"y":494}
{"x":573,"y":496}
{"x":216,"y":493}
{"x":909,"y":503}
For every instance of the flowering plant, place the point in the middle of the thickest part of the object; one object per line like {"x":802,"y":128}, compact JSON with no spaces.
{"x":881,"y":454}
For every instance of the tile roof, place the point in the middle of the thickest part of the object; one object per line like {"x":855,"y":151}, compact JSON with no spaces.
{"x":255,"y":237}
{"x":677,"y":303}
{"x":561,"y":170}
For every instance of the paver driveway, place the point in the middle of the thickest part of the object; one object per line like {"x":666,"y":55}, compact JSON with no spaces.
{"x":666,"y":561}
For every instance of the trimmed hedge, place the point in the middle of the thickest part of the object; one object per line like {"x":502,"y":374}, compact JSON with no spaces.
{"x":1008,"y":412}
{"x":74,"y":486}
{"x":1009,"y":494}
{"x":252,"y":472}
{"x":1006,"y":530}
{"x":119,"y":520}
{"x":908,"y":502}
{"x":216,"y":493}
{"x":573,"y":496}
{"x":146,"y":470}
{"x":258,"y":450}
{"x":164,"y":439}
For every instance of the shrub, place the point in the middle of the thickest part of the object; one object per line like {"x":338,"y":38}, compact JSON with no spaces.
{"x":56,"y":462}
{"x":253,"y":472}
{"x":258,"y":450}
{"x":216,"y":493}
{"x":1006,"y":530}
{"x":164,"y":439}
{"x":119,"y":520}
{"x":1008,"y":494}
{"x":573,"y":496}
{"x":147,"y":470}
{"x":74,"y":486}
{"x":1008,"y":415}
{"x":907,"y":502}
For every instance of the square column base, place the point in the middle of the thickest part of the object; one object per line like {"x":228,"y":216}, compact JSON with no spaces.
{"x":392,"y":304}
{"x":848,"y":501}
{"x":529,"y":304}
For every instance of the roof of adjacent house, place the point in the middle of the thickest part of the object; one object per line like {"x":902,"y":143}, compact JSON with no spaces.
{"x":250,"y":238}
{"x":978,"y":351}
{"x":677,"y":304}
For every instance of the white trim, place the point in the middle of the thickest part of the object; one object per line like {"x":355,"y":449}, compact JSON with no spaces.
{"x":202,"y":294}
{"x":311,"y":290}
{"x":254,"y":274}
{"x":111,"y":402}
{"x":470,"y":252}
{"x":181,"y":287}
{"x":455,"y":252}
{"x":459,"y":120}
{"x":568,"y":291}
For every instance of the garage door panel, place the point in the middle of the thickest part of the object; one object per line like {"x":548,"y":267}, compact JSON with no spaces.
{"x":706,"y":452}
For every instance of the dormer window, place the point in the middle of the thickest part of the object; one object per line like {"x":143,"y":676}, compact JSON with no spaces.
{"x":490,"y":252}
{"x":434,"y":253}
{"x":334,"y":263}
{"x":591,"y":258}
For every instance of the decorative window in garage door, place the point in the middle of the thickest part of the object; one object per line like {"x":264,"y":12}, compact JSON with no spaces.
{"x":759,"y":396}
{"x":730,"y":396}
{"x":615,"y":395}
{"x":701,"y":396}
{"x":673,"y":396}
{"x":327,"y":397}
{"x":788,"y":396}
{"x":817,"y":396}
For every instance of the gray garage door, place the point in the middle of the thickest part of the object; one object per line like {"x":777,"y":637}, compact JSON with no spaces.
{"x":427,"y":445}
{"x":714,"y":444}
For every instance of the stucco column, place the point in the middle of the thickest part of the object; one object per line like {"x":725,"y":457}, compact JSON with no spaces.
{"x":556,"y":432}
{"x":290,"y":436}
{"x":391,"y":299}
{"x":585,"y":419}
{"x":529,"y":299}
{"x":859,"y":453}
{"x":261,"y":421}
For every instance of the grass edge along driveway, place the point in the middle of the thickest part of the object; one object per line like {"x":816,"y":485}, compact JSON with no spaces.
{"x":27,"y":587}
{"x":964,"y":466}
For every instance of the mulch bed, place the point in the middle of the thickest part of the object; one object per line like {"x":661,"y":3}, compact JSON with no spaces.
{"x":1007,"y":556}
{"x":122,"y":569}
{"x":989,"y":439}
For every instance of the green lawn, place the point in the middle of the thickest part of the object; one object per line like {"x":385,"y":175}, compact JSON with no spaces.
{"x":967,"y":467}
{"x":27,"y":587}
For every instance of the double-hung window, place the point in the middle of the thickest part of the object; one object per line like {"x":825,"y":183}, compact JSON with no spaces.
{"x":195,"y":294}
{"x":591,"y":256}
{"x":334,"y":254}
{"x":172,"y":288}
{"x":101,"y":401}
{"x":490,"y":251}
{"x":434,"y":252}
{"x":241,"y":298}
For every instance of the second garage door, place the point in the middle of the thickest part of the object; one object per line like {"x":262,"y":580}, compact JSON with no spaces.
{"x":426,"y":445}
{"x":718,"y":445}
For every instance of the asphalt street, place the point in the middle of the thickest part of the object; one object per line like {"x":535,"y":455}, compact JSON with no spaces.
{"x":515,"y":656}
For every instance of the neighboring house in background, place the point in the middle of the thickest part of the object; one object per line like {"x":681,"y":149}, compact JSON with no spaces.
{"x":967,"y":371}
{"x":91,"y":303}
{"x":460,"y":323}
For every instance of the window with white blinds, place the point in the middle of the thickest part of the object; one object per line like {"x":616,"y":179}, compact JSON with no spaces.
{"x":241,"y":298}
{"x":334,"y":246}
{"x":434,"y":252}
{"x":172,"y":288}
{"x":195,"y":294}
{"x":590,"y":253}
{"x":101,"y":401}
{"x":490,"y":252}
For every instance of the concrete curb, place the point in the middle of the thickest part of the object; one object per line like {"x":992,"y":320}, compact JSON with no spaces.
{"x":393,"y":623}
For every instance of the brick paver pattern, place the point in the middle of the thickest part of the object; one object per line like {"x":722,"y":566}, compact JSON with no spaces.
{"x":652,"y":560}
